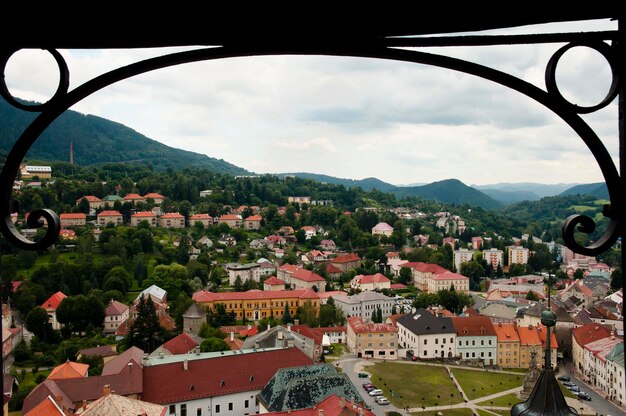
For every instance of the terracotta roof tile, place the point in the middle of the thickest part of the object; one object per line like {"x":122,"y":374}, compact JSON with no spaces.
{"x":180,"y":344}
{"x":426,"y":267}
{"x":153,"y":195}
{"x":69,"y":369}
{"x":48,"y":407}
{"x":590,"y":333}
{"x":359,"y":327}
{"x":73,"y":216}
{"x":143,"y":214}
{"x":174,"y":215}
{"x":506,"y":332}
{"x":118,"y":364}
{"x":307,"y":276}
{"x":369,"y":279}
{"x":110,"y":213}
{"x":273,"y":281}
{"x":346,"y":258}
{"x":54,"y":301}
{"x":170,"y":383}
{"x":115,"y":308}
{"x":473,"y":326}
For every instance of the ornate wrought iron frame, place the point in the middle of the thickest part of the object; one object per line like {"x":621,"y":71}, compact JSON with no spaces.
{"x":381,"y":47}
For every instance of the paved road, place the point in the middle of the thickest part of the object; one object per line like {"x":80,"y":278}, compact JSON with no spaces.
{"x":598,"y":403}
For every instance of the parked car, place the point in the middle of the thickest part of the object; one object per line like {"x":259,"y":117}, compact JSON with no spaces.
{"x":563,"y":378}
{"x":366,"y":385}
{"x":583,"y":396}
{"x":574,"y":389}
{"x":376,"y":392}
{"x":370,"y":388}
{"x":568,"y":384}
{"x":382,"y":400}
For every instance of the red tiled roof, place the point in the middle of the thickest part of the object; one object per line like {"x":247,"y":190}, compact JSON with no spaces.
{"x":473,"y":326}
{"x":528,"y":335}
{"x":174,"y":215}
{"x":180,"y":344}
{"x":254,"y":218}
{"x":333,"y":405}
{"x":590,"y":333}
{"x":230,"y":217}
{"x":48,"y":407}
{"x":171,"y":383}
{"x":346,"y":258}
{"x":102,"y":351}
{"x":289,"y":268}
{"x":153,"y":195}
{"x":307,"y":276}
{"x":373,"y":278}
{"x":143,"y":214}
{"x":358,"y":326}
{"x":204,"y":296}
{"x":115,"y":308}
{"x":73,"y":216}
{"x":426,"y":267}
{"x":542,"y":330}
{"x":69,"y":369}
{"x":89,"y":198}
{"x":201,"y":217}
{"x":330,"y":268}
{"x":54,"y":301}
{"x":118,"y":364}
{"x":110,"y":213}
{"x":273,"y":281}
{"x":133,"y":196}
{"x":397,"y":286}
{"x":506,"y":332}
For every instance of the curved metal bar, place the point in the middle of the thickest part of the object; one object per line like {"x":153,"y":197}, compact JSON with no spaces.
{"x":62,"y":103}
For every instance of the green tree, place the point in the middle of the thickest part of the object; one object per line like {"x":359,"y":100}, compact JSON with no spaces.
{"x":287,"y":318}
{"x":532,"y":296}
{"x":578,"y":274}
{"x":214,"y":344}
{"x":145,"y":332}
{"x":37,"y":322}
{"x":616,"y":279}
{"x":406,"y":275}
{"x":517,"y":269}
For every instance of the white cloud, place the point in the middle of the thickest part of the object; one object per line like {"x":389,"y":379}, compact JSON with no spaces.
{"x":351,"y":117}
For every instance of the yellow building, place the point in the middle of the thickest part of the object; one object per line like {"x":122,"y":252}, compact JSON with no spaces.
{"x":255,"y":304}
{"x":508,"y":345}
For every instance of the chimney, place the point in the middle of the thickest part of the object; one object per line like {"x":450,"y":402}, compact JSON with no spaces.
{"x":268,"y":327}
{"x":84,"y":405}
{"x":161,"y":354}
{"x":107,"y":390}
{"x":289,"y":327}
{"x":130,"y":367}
{"x":197,"y":349}
{"x":256,"y":344}
{"x":296,"y":322}
{"x":321,"y":412}
{"x":232,"y":336}
{"x":280,"y":335}
{"x":185,"y":365}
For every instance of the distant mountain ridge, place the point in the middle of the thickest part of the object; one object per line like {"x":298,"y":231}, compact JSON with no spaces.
{"x":367,"y":184}
{"x":96,"y":140}
{"x":598,"y":189}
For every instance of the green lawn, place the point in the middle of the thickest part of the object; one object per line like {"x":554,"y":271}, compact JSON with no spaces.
{"x":448,"y":412}
{"x":508,"y":400}
{"x":414,"y":385}
{"x":478,"y":383}
{"x":583,"y":208}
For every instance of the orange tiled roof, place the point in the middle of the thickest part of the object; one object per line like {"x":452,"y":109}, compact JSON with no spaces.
{"x":346,"y":258}
{"x":590,"y":333}
{"x":110,"y":214}
{"x":369,"y":279}
{"x":153,"y":195}
{"x":69,"y":369}
{"x":506,"y":332}
{"x":528,"y":335}
{"x":89,"y":198}
{"x":133,"y":196}
{"x":143,"y":214}
{"x":173,"y":215}
{"x":359,"y":327}
{"x":73,"y":216}
{"x":274,"y":281}
{"x":254,"y":218}
{"x":54,"y":301}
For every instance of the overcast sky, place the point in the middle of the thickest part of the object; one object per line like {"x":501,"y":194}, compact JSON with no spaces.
{"x":353,"y":117}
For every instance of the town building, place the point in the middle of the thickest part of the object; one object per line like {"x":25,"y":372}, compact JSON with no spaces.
{"x":109,"y":217}
{"x":508,"y":345}
{"x":156,"y":198}
{"x":476,"y":339}
{"x":245,"y":272}
{"x":518,"y":255}
{"x":382,"y":228}
{"x":273,"y":284}
{"x":114,"y":314}
{"x":493,"y":256}
{"x":255,"y":304}
{"x":31,"y":171}
{"x":158,"y":296}
{"x":106,"y":352}
{"x":172,"y":220}
{"x":232,"y":220}
{"x":133,"y":198}
{"x":426,"y":336}
{"x":461,"y":256}
{"x":138,"y":217}
{"x":376,"y":281}
{"x":185,"y":343}
{"x":69,"y":219}
{"x":372,"y":340}
{"x":193,"y":318}
{"x":204,"y":219}
{"x":346,"y":262}
{"x":447,"y":281}
{"x":299,"y":199}
{"x":189,"y":384}
{"x":111,"y":404}
{"x":51,"y":306}
{"x":477,"y":243}
{"x":94,"y":202}
{"x":253,"y":222}
{"x":422,"y":272}
{"x":364,"y":305}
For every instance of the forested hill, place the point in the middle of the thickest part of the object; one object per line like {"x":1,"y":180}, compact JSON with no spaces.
{"x":599,"y":190}
{"x":97,"y":140}
{"x":367,"y":184}
{"x":451,"y":191}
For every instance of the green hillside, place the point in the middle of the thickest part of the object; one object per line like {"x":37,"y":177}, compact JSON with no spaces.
{"x":96,"y":141}
{"x":367,"y":184}
{"x":599,"y":190}
{"x":451,"y":191}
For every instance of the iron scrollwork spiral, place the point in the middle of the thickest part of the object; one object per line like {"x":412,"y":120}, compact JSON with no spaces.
{"x":613,"y":211}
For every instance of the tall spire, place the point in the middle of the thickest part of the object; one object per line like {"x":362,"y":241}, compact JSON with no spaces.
{"x":546,"y":398}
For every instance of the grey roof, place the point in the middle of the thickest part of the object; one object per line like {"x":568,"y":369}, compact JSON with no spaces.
{"x":194,"y":311}
{"x":280,"y":337}
{"x":303,"y":387}
{"x":366,"y":296}
{"x":422,"y":322}
{"x":497,"y":310}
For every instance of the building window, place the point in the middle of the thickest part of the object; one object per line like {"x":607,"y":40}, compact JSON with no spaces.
{"x":172,"y":409}
{"x":217,"y":408}
{"x":199,"y":412}
{"x":183,"y":410}
{"x":230,"y":406}
{"x":246,"y":404}
{"x":425,"y":341}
